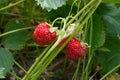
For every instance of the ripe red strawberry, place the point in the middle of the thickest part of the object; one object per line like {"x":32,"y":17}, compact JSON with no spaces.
{"x":75,"y":50}
{"x":43,"y":35}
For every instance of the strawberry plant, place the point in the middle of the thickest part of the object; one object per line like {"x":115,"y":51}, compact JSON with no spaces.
{"x":59,"y":39}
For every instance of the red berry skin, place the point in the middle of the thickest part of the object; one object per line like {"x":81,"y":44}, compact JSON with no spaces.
{"x":75,"y":50}
{"x":42,"y":34}
{"x":83,"y":50}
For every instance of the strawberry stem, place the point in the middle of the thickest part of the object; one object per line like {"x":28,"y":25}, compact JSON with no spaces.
{"x":85,"y":7}
{"x":118,"y":66}
{"x":11,"y":5}
{"x":56,"y":20}
{"x":20,"y":66}
{"x":77,"y":69}
{"x":16,"y":30}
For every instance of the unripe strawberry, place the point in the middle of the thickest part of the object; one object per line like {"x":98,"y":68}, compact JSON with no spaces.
{"x":43,"y":35}
{"x":75,"y":50}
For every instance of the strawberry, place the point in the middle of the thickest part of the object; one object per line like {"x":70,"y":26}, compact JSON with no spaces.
{"x":75,"y":50}
{"x":43,"y":35}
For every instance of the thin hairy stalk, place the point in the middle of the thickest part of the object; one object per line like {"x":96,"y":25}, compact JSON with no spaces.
{"x":91,"y":78}
{"x":77,"y":70}
{"x":14,"y":74}
{"x":20,"y":66}
{"x":72,"y":7}
{"x":118,"y":66}
{"x":11,"y":5}
{"x":85,"y":7}
{"x":21,"y":29}
{"x":56,"y":20}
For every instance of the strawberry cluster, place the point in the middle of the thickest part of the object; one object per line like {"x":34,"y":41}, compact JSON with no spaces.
{"x":44,"y":36}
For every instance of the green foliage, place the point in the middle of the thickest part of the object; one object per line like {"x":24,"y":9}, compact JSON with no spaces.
{"x":112,"y":21}
{"x":49,"y":5}
{"x":2,"y":2}
{"x":6,"y":62}
{"x":2,"y":72}
{"x":98,"y":37}
{"x":14,"y":41}
{"x":109,"y":60}
{"x":111,"y":17}
{"x":111,"y":1}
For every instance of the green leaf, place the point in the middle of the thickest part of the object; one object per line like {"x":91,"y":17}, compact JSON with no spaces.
{"x":98,"y":37}
{"x":112,"y":23}
{"x":109,"y":60}
{"x":2,"y":72}
{"x":103,"y":49}
{"x":6,"y":62}
{"x":16,"y":40}
{"x":111,"y":1}
{"x":49,"y":5}
{"x":111,"y":17}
